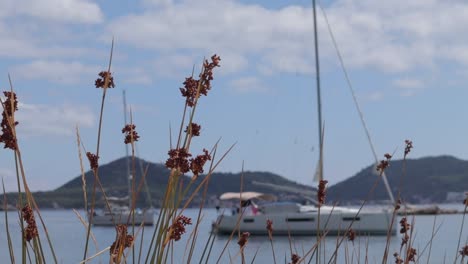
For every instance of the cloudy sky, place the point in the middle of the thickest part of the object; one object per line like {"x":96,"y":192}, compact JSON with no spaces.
{"x":407,"y":60}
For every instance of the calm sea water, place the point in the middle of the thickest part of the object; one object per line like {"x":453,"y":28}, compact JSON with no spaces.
{"x":68,"y":236}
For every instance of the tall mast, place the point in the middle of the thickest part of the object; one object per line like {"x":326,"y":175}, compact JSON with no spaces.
{"x":129,"y":176}
{"x":319,"y":99}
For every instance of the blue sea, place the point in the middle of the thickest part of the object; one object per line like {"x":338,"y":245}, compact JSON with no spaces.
{"x":68,"y":237}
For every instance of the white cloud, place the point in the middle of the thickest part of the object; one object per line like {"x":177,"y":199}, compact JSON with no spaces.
{"x":248,"y":84}
{"x":36,"y":120}
{"x":56,"y":71}
{"x":408,"y":83}
{"x":395,"y":36}
{"x":409,"y":87}
{"x":373,"y":96}
{"x":70,"y":11}
{"x":233,"y":30}
{"x":132,"y":76}
{"x":158,"y":3}
{"x":176,"y":64}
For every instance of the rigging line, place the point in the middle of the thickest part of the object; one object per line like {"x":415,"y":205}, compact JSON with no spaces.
{"x":319,"y":98}
{"x":358,"y":108}
{"x":129,"y":175}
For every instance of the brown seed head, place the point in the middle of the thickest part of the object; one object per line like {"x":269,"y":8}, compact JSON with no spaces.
{"x":195,"y":129}
{"x":404,"y":226}
{"x":130,"y":134}
{"x":10,"y":106}
{"x":398,"y":260}
{"x":269,"y":228}
{"x":31,"y":229}
{"x":101,"y":82}
{"x":351,"y":235}
{"x":408,"y":147}
{"x":397,"y":204}
{"x":190,"y":90}
{"x":178,"y":159}
{"x":122,"y":241}
{"x":207,"y":75}
{"x":384,"y":163}
{"x":196,"y":165}
{"x":243,"y":239}
{"x":177,"y":228}
{"x":412,"y":254}
{"x":464,"y":251}
{"x":295,"y":259}
{"x":321,"y":193}
{"x":93,"y":160}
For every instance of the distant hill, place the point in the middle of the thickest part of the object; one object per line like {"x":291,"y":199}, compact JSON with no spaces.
{"x":114,"y":179}
{"x":425,"y":180}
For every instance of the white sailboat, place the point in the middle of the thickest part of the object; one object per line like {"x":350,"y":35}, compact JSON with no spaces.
{"x":295,"y":219}
{"x":120,"y":207}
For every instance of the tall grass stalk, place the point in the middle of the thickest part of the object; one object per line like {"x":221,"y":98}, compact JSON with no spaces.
{"x":98,"y":144}
{"x":7,"y":229}
{"x":461,"y":229}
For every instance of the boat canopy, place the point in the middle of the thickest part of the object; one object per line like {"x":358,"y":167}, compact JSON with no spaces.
{"x":113,"y":199}
{"x":244,"y":196}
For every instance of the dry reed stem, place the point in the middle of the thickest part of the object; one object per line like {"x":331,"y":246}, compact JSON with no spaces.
{"x":192,"y":247}
{"x":95,"y":255}
{"x":38,"y":251}
{"x":83,"y":178}
{"x":98,"y":144}
{"x":7,"y":230}
{"x":83,"y":222}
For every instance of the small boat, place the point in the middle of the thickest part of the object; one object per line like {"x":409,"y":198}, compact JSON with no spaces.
{"x":295,"y":219}
{"x":120,"y":213}
{"x":119,"y":209}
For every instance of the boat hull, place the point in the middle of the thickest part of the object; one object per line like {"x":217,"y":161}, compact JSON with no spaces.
{"x":306,"y":223}
{"x":107,"y":219}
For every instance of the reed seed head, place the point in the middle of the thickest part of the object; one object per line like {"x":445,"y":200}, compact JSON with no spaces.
{"x":404,"y":226}
{"x":295,"y":259}
{"x":177,"y":228}
{"x":412,"y":254}
{"x":93,"y":160}
{"x":122,"y":241}
{"x":464,"y":251}
{"x":408,"y":147}
{"x":101,"y":81}
{"x":351,"y":235}
{"x":269,"y":227}
{"x":31,"y":228}
{"x":10,"y":106}
{"x":384,"y":163}
{"x":130,"y":134}
{"x":398,"y":205}
{"x":196,"y":164}
{"x":191,"y":86}
{"x":398,"y":260}
{"x":178,"y":159}
{"x":321,"y":193}
{"x":244,"y":238}
{"x":194,"y":129}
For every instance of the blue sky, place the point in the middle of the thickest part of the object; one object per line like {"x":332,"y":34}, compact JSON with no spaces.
{"x":408,"y":62}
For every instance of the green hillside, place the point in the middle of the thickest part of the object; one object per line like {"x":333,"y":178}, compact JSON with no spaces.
{"x":114,"y":179}
{"x":425,"y":180}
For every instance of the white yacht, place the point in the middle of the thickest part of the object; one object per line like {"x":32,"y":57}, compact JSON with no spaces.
{"x":294,"y":219}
